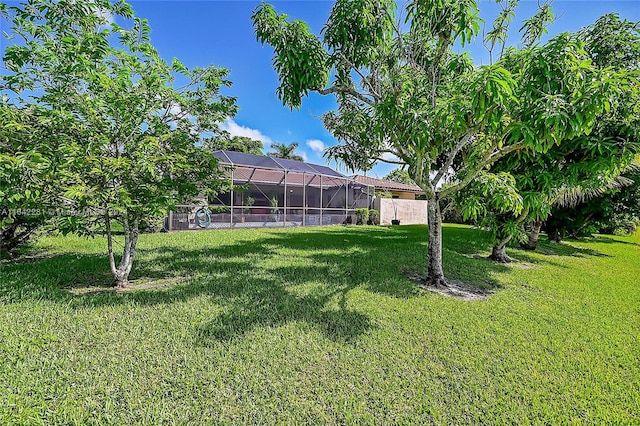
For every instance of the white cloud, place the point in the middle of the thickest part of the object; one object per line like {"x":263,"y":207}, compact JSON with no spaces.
{"x":236,"y":129}
{"x":107,"y":16}
{"x":316,"y":145}
{"x":175,"y":109}
{"x":389,"y":157}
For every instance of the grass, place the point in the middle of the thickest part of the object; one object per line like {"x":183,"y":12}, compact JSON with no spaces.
{"x":320,"y":326}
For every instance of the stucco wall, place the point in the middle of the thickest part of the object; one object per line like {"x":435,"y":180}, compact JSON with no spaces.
{"x":409,"y":212}
{"x":404,"y":195}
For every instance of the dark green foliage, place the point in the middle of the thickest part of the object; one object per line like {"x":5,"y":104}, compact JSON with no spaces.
{"x":624,"y":213}
{"x":224,"y":141}
{"x":406,"y":95}
{"x":301,"y":62}
{"x":374,"y":217}
{"x":286,"y":151}
{"x":400,"y":176}
{"x":126,"y":135}
{"x":30,"y":162}
{"x":586,"y":161}
{"x":615,"y":212}
{"x":362,"y":216}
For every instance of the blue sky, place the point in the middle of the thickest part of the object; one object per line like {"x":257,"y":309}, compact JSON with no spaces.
{"x":205,"y":32}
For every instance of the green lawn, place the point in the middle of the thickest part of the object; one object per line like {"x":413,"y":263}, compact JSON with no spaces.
{"x":320,"y":326}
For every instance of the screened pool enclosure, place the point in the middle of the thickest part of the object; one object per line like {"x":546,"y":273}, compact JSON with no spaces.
{"x":274,"y":192}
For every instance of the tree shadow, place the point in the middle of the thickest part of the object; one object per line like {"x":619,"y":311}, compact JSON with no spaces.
{"x":268,"y":281}
{"x":565,"y":248}
{"x":481,"y":244}
{"x":257,"y":303}
{"x":607,"y":240}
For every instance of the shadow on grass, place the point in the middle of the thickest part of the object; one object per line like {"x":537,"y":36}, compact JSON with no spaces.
{"x":271,"y":279}
{"x":608,"y":240}
{"x":554,"y":251}
{"x":480,"y":246}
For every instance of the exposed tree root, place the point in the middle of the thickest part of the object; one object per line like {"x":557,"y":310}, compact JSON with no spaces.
{"x":502,"y":258}
{"x":436,"y":282}
{"x":121,"y":284}
{"x":499,"y":253}
{"x":442,"y":286}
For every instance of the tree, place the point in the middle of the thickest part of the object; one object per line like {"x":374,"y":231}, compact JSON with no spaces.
{"x":624,"y":215}
{"x":285,"y":151}
{"x":402,"y":89}
{"x":494,"y":201}
{"x":585,"y":162}
{"x":224,"y":141}
{"x":129,"y":136}
{"x":401,"y":176}
{"x":25,"y":174}
{"x":610,"y":209}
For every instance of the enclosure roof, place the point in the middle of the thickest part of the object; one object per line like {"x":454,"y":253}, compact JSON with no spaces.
{"x":267,"y":162}
{"x":387,"y":185}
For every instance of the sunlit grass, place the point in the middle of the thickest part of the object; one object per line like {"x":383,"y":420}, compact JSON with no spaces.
{"x":320,"y":326}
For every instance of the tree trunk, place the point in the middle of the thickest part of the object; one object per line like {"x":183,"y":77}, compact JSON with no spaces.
{"x":499,"y":252}
{"x":575,"y":233}
{"x":7,"y":235}
{"x":14,"y":236}
{"x":532,"y":243}
{"x":122,"y":271}
{"x":435,"y":275}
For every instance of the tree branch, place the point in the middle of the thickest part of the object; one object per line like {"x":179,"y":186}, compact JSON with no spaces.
{"x":466,"y":139}
{"x":486,"y":161}
{"x":346,"y":90}
{"x":400,"y":163}
{"x":364,"y":79}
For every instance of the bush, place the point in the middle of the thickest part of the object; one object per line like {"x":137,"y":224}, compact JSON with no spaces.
{"x":374,"y":217}
{"x":362,"y":216}
{"x":620,"y":225}
{"x":452,"y":213}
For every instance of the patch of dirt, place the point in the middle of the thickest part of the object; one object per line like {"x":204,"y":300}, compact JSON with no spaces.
{"x":134,"y":285}
{"x":149,"y":284}
{"x":90,"y":290}
{"x":474,"y":256}
{"x":457,"y":289}
{"x":547,"y":252}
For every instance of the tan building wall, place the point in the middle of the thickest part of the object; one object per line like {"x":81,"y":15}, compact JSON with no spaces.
{"x":404,"y":195}
{"x":409,"y":212}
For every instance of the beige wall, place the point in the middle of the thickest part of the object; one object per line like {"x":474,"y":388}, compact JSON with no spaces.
{"x":409,"y":212}
{"x":404,"y":195}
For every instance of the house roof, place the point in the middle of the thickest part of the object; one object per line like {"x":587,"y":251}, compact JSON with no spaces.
{"x":242,"y":159}
{"x":387,"y":185}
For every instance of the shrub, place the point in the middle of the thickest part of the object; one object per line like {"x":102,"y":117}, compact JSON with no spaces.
{"x":374,"y":217}
{"x":362,"y":216}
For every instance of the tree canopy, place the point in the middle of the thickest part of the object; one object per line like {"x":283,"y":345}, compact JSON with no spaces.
{"x":224,"y":141}
{"x":27,"y":173}
{"x":400,"y":176}
{"x":286,"y":151}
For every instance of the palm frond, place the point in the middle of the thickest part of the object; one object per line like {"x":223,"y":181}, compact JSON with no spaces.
{"x":571,"y":196}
